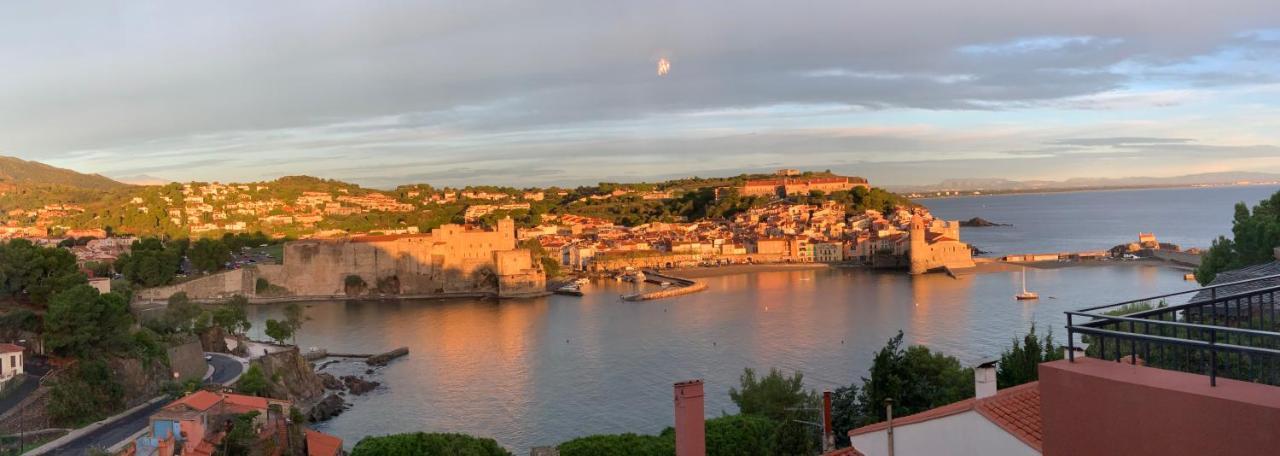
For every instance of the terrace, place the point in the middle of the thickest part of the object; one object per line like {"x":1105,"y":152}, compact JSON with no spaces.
{"x":1183,"y":373}
{"x":1227,"y":330}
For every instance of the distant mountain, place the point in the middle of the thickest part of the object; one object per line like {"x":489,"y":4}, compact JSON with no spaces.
{"x":1007,"y":185}
{"x":16,"y":172}
{"x":143,"y":179}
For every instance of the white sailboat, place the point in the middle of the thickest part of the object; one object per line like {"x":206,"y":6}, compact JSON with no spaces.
{"x":1026,"y":295}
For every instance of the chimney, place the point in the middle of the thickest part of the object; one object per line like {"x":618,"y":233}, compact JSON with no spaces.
{"x":828,"y":434}
{"x":690,"y":420}
{"x":984,"y":379}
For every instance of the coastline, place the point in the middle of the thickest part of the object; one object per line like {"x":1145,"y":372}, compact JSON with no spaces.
{"x":716,"y":271}
{"x":1081,"y":190}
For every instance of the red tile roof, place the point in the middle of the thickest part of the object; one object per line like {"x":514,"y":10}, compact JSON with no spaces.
{"x":1016,"y":410}
{"x":200,"y":400}
{"x":10,"y":348}
{"x":850,"y":451}
{"x":321,"y":444}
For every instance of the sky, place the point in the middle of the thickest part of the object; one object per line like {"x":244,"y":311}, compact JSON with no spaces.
{"x":527,"y":93}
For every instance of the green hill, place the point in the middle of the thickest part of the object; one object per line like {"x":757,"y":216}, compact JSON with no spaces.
{"x":18,"y":173}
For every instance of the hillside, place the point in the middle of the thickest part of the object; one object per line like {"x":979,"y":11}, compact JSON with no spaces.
{"x":296,"y":206}
{"x":16,"y":172}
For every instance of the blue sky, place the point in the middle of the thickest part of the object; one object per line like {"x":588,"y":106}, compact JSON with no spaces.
{"x":566,"y":92}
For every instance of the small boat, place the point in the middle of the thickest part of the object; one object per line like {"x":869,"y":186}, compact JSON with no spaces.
{"x":581,"y":281}
{"x":569,"y":290}
{"x":1025,"y":295}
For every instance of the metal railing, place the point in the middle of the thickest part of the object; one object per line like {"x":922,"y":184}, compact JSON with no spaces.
{"x":1230,"y":330}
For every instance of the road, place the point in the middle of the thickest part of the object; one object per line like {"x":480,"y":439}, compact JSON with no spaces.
{"x":28,"y":385}
{"x":225,"y":369}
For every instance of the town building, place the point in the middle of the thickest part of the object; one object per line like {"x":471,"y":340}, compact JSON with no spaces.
{"x":11,"y":357}
{"x":788,"y":186}
{"x":196,"y":424}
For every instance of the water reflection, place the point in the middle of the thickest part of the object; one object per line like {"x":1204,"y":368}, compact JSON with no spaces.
{"x":538,"y":372}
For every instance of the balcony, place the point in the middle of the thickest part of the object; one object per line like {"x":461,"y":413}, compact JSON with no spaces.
{"x":1184,"y":373}
{"x":1227,"y":330}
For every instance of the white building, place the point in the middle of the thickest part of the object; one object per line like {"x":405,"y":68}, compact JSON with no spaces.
{"x":10,"y":362}
{"x":1005,"y":422}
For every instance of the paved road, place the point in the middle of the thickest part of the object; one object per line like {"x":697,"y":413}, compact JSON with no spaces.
{"x":224,"y":369}
{"x":28,"y":385}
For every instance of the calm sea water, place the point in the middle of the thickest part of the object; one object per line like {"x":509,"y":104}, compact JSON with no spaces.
{"x":1078,"y":221}
{"x":538,"y":372}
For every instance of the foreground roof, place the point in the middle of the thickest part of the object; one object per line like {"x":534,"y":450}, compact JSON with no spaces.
{"x":1016,"y":410}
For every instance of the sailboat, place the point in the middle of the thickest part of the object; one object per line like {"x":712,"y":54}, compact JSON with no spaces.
{"x":1026,"y":295}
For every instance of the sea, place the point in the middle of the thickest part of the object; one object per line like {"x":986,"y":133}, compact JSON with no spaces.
{"x":542,"y":371}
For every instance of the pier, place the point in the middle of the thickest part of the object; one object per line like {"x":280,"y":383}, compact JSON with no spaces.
{"x":679,"y":286}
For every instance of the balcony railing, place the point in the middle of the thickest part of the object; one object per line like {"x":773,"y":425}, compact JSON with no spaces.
{"x":1228,"y":330}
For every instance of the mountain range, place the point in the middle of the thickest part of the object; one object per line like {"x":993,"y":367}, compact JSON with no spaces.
{"x":1078,"y":183}
{"x":16,"y":172}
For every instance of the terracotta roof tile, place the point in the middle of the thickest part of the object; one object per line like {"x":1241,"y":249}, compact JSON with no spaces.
{"x":850,"y":451}
{"x":10,"y":348}
{"x":321,"y":444}
{"x":1016,"y":410}
{"x":200,"y":400}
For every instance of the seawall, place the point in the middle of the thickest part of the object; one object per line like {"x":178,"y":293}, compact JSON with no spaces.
{"x":685,"y":286}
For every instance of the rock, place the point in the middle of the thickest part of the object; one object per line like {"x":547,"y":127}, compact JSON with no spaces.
{"x":368,"y":371}
{"x":331,"y":382}
{"x":979,"y":222}
{"x":358,"y":385}
{"x":329,"y":407}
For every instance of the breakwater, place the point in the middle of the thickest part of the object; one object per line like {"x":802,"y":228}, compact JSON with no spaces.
{"x":679,"y":286}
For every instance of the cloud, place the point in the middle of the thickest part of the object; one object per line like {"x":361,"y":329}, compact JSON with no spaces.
{"x":414,"y":90}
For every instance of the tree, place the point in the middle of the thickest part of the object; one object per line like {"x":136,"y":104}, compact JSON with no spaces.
{"x":80,"y":322}
{"x":35,"y":273}
{"x":294,"y":317}
{"x":87,"y":393}
{"x":209,"y":255}
{"x":775,"y":396}
{"x":242,"y":437}
{"x":233,"y":315}
{"x":614,"y":444}
{"x":278,"y":330}
{"x":741,"y":435}
{"x":150,"y":262}
{"x":420,"y":443}
{"x":1020,"y":363}
{"x":181,"y":313}
{"x":916,"y":378}
{"x":1255,"y":235}
{"x":253,"y":382}
{"x":783,"y":400}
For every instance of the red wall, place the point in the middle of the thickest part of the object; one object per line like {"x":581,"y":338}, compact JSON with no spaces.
{"x":1094,"y":407}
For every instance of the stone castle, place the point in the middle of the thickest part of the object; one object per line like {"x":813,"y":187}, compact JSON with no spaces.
{"x":937,"y":246}
{"x":452,"y":259}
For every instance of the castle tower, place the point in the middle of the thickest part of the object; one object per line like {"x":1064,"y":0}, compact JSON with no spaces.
{"x":507,"y":227}
{"x":919,"y":248}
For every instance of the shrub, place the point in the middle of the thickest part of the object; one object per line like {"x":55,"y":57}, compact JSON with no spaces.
{"x":741,"y":435}
{"x":422,"y":443}
{"x":261,"y":285}
{"x":253,"y":382}
{"x":86,"y":393}
{"x":619,"y":444}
